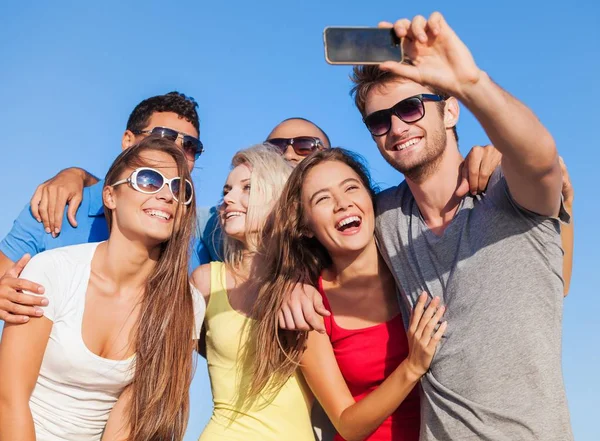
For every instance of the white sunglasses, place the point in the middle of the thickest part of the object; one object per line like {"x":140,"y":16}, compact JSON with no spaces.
{"x":149,"y":181}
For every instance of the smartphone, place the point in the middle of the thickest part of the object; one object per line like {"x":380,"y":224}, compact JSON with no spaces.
{"x":347,"y":45}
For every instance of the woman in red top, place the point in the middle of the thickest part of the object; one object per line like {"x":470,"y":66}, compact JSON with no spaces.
{"x":365,"y":368}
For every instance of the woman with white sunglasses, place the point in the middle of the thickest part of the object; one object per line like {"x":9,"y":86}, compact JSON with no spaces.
{"x":118,"y":332}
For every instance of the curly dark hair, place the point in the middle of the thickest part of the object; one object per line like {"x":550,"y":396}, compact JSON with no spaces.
{"x":182,"y":105}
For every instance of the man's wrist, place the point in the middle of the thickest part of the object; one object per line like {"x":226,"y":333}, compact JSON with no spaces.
{"x":88,"y":178}
{"x":475,"y":90}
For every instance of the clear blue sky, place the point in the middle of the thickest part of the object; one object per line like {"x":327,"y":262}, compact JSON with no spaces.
{"x":72,"y":71}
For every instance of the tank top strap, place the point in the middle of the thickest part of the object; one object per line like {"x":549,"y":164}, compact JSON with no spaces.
{"x":218,"y":301}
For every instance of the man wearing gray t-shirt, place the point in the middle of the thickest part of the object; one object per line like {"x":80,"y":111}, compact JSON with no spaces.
{"x":494,"y":259}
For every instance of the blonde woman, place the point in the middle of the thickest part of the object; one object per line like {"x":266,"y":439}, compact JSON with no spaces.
{"x":256,"y":180}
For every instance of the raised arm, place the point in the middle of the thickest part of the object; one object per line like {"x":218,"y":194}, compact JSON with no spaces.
{"x":50,"y":198}
{"x":21,"y":352}
{"x":442,"y":61}
{"x":356,"y":420}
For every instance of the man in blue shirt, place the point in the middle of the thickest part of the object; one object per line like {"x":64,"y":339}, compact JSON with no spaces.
{"x":173,"y":116}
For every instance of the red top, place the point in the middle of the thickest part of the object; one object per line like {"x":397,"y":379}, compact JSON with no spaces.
{"x":366,"y":357}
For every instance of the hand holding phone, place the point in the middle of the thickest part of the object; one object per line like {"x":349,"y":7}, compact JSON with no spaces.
{"x":356,"y":45}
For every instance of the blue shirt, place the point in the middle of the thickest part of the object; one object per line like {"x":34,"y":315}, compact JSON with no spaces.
{"x":28,"y":236}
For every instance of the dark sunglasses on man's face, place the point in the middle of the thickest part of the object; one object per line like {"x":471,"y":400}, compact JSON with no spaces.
{"x":302,"y":145}
{"x":409,"y":110}
{"x":192,"y":146}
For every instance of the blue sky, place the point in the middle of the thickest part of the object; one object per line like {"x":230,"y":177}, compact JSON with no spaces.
{"x":72,"y":71}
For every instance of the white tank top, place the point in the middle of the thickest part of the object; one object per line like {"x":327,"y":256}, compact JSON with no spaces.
{"x":76,"y":389}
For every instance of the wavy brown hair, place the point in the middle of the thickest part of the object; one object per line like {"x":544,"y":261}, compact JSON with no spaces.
{"x":163,"y":342}
{"x":290,"y":257}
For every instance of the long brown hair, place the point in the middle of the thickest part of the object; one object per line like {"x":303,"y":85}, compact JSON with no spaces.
{"x":290,"y":257}
{"x":163,"y":340}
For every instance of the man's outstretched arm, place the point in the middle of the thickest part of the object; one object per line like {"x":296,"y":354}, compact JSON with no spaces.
{"x":442,"y":61}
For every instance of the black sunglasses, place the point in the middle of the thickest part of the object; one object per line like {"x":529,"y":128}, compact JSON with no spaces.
{"x":409,"y":110}
{"x":302,"y":145}
{"x":192,"y":146}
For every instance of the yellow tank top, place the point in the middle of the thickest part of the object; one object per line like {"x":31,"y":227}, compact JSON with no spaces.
{"x":285,"y":416}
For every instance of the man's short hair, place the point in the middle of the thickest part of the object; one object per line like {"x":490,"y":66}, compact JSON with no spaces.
{"x":175,"y":102}
{"x":365,"y":78}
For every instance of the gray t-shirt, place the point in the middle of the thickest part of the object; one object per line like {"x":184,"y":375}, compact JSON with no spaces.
{"x":498,"y":269}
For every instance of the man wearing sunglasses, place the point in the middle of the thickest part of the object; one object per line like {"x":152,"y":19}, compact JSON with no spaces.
{"x":297,"y":138}
{"x":172,"y":116}
{"x":495,"y":260}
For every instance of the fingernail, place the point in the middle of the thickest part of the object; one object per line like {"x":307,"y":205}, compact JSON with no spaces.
{"x":47,"y":230}
{"x":44,"y":302}
{"x":39,"y":312}
{"x":41,"y":291}
{"x":422,"y":38}
{"x":38,"y":219}
{"x":57,"y":230}
{"x":25,"y":319}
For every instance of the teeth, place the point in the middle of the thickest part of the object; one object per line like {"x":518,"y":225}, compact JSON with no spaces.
{"x":408,"y":144}
{"x":347,"y":221}
{"x":158,"y":213}
{"x":233,"y":214}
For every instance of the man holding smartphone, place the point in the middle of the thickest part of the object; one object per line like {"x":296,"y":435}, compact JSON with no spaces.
{"x":495,"y":260}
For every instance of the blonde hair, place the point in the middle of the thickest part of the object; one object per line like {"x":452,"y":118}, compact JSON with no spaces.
{"x":269,"y":173}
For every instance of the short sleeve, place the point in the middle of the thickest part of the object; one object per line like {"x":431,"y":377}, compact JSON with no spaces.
{"x":25,"y":236}
{"x":45,"y":270}
{"x":199,"y":311}
{"x":499,"y":192}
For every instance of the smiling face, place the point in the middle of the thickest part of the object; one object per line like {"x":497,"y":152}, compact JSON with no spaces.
{"x":148,"y":218}
{"x":413,"y":149}
{"x":337,"y":208}
{"x":236,"y":198}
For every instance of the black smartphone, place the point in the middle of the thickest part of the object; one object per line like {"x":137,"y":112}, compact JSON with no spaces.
{"x":347,"y":45}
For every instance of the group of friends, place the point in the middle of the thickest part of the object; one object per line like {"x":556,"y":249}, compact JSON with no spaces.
{"x":431,"y":310}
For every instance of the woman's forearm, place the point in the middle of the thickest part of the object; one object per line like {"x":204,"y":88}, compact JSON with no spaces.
{"x":16,"y":421}
{"x":365,"y":416}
